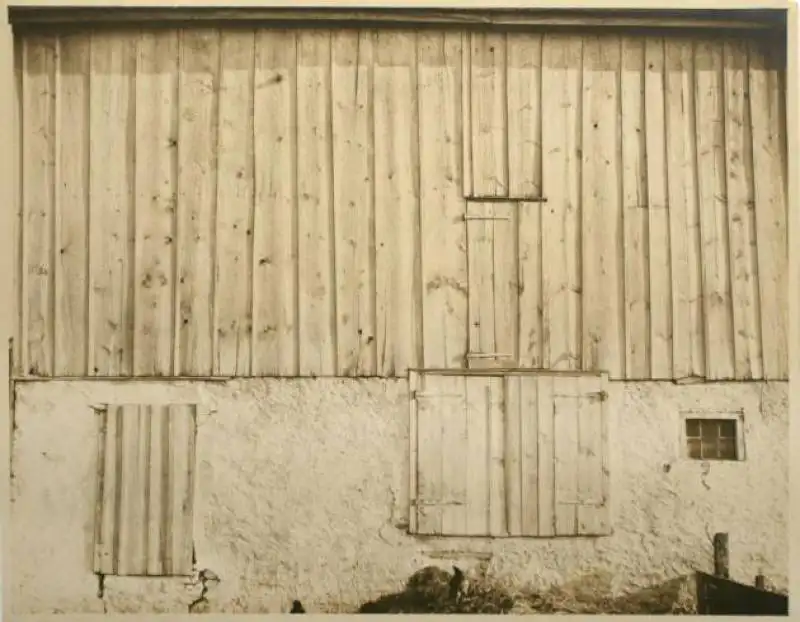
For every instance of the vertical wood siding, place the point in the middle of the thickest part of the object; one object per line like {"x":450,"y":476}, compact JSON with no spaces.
{"x":358,"y":203}
{"x":523,"y":455}
{"x":145,"y":495}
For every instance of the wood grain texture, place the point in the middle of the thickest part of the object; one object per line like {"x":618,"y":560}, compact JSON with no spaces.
{"x":741,"y":216}
{"x":235,"y":202}
{"x":156,"y":202}
{"x":688,"y":347}
{"x":602,"y":268}
{"x":524,"y":95}
{"x":768,"y":127}
{"x":197,"y":199}
{"x":38,"y":155}
{"x":353,"y":184}
{"x":112,"y":223}
{"x":635,"y":210}
{"x":713,"y":206}
{"x":442,"y":208}
{"x":658,"y":212}
{"x":275,"y":226}
{"x":561,"y":215}
{"x":398,"y":58}
{"x":233,"y":265}
{"x":489,"y":114}
{"x":71,"y":321}
{"x":317,"y":284}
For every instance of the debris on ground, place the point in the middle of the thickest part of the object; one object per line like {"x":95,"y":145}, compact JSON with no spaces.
{"x":431,"y":590}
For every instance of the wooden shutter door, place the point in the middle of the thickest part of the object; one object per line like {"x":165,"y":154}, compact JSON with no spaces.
{"x":580,"y":469}
{"x":493,"y":284}
{"x":556,"y":474}
{"x":146,"y":490}
{"x":458,"y":440}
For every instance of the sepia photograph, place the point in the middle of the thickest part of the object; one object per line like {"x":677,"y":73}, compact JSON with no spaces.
{"x":397,"y":310}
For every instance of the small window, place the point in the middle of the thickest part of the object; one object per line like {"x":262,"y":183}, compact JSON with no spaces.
{"x":712,"y":438}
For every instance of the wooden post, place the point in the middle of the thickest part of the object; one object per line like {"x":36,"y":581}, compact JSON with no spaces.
{"x":760,"y":581}
{"x":721,"y":557}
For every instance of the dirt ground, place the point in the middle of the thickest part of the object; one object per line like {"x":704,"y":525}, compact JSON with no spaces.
{"x":434,"y":590}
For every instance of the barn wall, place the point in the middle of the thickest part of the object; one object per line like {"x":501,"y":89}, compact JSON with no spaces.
{"x":292,"y":203}
{"x":276,"y":522}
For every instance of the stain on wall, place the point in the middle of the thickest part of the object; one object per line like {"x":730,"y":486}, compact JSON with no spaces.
{"x":301,"y":486}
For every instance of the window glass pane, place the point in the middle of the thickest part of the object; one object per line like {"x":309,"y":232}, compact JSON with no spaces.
{"x":709,"y":430}
{"x":694,"y":448}
{"x":708,"y":449}
{"x":727,"y":428}
{"x":726,"y":449}
{"x":692,"y":427}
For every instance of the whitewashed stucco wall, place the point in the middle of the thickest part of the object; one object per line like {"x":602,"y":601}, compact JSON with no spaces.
{"x":302,"y":483}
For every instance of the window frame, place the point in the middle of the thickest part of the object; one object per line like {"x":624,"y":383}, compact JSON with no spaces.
{"x":705,"y":414}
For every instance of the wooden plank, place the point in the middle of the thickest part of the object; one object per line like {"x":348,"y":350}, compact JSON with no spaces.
{"x":493,"y":284}
{"x":106,"y":544}
{"x":16,"y":304}
{"x":442,"y":208}
{"x":72,"y":202}
{"x":466,"y":113}
{"x":158,"y":421}
{"x":180,"y":479}
{"x":498,"y":517}
{"x":741,"y":216}
{"x":603,"y":516}
{"x":275,"y":342}
{"x":156,"y":172}
{"x":29,"y":17}
{"x":515,"y":475}
{"x":111,"y":220}
{"x":197,"y":191}
{"x":635,"y":265}
{"x":561,"y":298}
{"x":431,"y":493}
{"x":524,"y":79}
{"x":546,"y":455}
{"x":414,"y":385}
{"x":132,"y":516}
{"x":566,"y":407}
{"x":454,"y":451}
{"x":711,"y":159}
{"x":478,"y":472}
{"x":489,"y":111}
{"x":529,"y":243}
{"x":233,"y":277}
{"x":592,"y":508}
{"x":529,"y":454}
{"x":351,"y":82}
{"x":38,"y":155}
{"x":317,"y":281}
{"x":769,"y":166}
{"x":397,"y":263}
{"x":687,"y":317}
{"x":660,"y":275}
{"x":603,"y":335}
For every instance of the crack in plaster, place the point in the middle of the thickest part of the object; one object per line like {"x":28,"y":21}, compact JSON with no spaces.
{"x":205,"y":577}
{"x":101,"y":590}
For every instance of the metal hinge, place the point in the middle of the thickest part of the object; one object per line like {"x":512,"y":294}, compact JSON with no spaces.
{"x":419,"y":504}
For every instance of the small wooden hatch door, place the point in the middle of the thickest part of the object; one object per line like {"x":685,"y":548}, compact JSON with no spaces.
{"x":145,"y":491}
